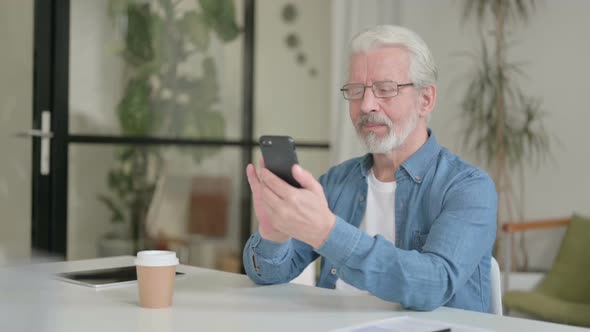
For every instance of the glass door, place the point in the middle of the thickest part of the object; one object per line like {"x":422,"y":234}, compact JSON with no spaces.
{"x":146,"y":112}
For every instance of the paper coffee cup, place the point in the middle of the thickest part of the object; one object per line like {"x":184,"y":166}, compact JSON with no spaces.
{"x":156,"y":272}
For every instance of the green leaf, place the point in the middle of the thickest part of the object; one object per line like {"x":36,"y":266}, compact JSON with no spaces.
{"x":203,"y":92}
{"x":221,"y":17}
{"x":116,"y":211}
{"x":112,"y":179}
{"x":138,"y":39}
{"x":125,"y":154}
{"x":196,"y":27}
{"x":162,"y":44}
{"x":135,"y":112}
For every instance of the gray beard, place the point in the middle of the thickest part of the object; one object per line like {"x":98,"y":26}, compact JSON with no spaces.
{"x":394,"y":138}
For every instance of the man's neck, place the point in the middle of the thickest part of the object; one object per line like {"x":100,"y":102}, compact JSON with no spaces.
{"x":385,"y":164}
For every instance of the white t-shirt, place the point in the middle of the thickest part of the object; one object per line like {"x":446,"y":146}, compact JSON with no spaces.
{"x":379,"y":215}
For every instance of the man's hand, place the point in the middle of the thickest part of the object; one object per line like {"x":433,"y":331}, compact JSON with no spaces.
{"x":300,"y":213}
{"x":265,"y":228}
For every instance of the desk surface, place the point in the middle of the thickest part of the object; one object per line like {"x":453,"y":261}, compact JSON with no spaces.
{"x":204,"y":300}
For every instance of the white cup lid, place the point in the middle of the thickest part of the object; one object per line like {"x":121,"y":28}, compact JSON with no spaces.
{"x":156,"y":258}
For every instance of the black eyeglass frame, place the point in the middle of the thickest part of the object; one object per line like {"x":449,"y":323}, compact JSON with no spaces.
{"x":344,"y":89}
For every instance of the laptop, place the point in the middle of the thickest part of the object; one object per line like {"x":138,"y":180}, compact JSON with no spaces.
{"x":103,"y":278}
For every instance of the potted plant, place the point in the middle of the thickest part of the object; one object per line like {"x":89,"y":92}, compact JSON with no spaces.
{"x":503,"y":124}
{"x":161,"y":100}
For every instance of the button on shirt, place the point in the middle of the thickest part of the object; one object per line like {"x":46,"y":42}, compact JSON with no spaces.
{"x":445,"y":227}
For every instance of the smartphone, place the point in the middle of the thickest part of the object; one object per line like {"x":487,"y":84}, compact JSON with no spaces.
{"x":279,"y":156}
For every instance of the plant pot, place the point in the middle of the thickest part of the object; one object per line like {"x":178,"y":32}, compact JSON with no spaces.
{"x":209,"y":206}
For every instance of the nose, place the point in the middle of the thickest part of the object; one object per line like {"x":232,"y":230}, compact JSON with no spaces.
{"x":369,"y":102}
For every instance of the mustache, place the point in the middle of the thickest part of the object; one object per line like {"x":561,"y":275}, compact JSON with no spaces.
{"x":375,"y":118}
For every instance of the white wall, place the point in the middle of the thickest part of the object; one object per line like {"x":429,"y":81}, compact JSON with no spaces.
{"x":16,"y":109}
{"x":288,"y":101}
{"x":556,"y":51}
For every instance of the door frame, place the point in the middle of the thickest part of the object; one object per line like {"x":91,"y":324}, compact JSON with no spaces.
{"x":50,"y":93}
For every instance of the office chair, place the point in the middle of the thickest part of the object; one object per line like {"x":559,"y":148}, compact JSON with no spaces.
{"x":495,"y":288}
{"x":563,"y":296}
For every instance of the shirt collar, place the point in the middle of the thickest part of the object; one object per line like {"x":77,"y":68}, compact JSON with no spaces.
{"x":417,"y":165}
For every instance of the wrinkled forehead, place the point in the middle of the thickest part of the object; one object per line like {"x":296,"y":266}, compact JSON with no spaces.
{"x":384,"y":63}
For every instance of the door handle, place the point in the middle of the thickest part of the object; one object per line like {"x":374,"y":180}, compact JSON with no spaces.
{"x":34,"y":133}
{"x":45,"y":134}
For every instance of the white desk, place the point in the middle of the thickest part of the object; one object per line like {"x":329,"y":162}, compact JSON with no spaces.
{"x":204,"y":300}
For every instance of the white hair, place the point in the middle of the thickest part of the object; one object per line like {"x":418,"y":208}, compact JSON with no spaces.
{"x":423,"y":71}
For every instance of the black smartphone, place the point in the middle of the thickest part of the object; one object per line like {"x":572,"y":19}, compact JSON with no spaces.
{"x":279,"y":156}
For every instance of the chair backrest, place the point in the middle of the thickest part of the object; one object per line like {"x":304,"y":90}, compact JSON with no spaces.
{"x":495,"y":288}
{"x":568,"y":278}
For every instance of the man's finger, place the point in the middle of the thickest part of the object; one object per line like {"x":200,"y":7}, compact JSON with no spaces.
{"x":252,"y":176}
{"x":271,"y":199}
{"x":306,"y":179}
{"x":276,"y":184}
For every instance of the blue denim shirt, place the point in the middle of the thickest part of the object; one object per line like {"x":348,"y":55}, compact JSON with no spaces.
{"x":445,"y":227}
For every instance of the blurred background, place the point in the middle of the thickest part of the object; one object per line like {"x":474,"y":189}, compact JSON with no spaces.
{"x":127,"y":124}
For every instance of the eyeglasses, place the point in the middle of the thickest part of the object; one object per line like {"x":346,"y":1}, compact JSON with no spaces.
{"x":382,"y":89}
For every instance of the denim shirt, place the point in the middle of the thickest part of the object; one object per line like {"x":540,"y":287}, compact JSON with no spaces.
{"x":445,"y":227}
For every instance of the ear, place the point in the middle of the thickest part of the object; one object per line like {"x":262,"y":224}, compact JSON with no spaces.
{"x":427,"y":100}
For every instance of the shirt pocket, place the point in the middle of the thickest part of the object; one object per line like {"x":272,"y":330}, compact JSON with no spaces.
{"x":419,"y":240}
